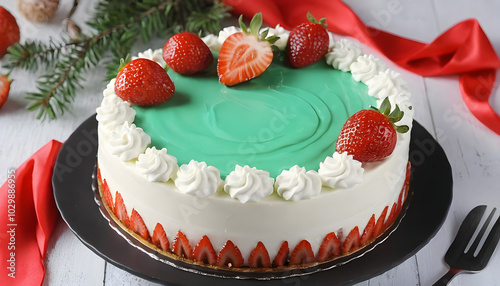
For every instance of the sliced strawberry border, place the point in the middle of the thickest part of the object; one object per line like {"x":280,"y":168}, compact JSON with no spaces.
{"x":229,"y":257}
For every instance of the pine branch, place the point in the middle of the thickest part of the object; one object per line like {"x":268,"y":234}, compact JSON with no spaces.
{"x":117,"y":25}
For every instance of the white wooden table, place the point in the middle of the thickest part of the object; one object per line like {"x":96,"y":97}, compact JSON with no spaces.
{"x":472,"y":149}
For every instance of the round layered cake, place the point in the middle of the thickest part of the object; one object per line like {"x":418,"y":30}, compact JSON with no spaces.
{"x":247,"y":177}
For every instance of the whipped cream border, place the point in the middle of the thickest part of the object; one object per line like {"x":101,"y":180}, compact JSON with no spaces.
{"x":345,"y":55}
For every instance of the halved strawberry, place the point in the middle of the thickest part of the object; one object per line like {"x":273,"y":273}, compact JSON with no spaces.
{"x":329,"y":248}
{"x":368,"y":232}
{"x":107,"y":194}
{"x":351,"y":242}
{"x":144,"y":82}
{"x":379,"y":226}
{"x":4,"y":88}
{"x":205,"y":252}
{"x":246,"y":54}
{"x":281,"y":257}
{"x":186,"y":53}
{"x":160,"y":239}
{"x":370,"y":135}
{"x":259,"y":257}
{"x":137,"y":225}
{"x":181,"y":247}
{"x":308,"y":42}
{"x":120,"y":210}
{"x":302,"y":253}
{"x":230,"y":256}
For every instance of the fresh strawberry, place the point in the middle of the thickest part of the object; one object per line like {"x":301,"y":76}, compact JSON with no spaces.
{"x":259,"y":257}
{"x":186,"y":53}
{"x":4,"y":88}
{"x":230,"y":256}
{"x":302,"y":253}
{"x":246,"y":54}
{"x":329,"y":248}
{"x":351,"y":242}
{"x":370,"y":135}
{"x":368,"y":232}
{"x":9,"y":31}
{"x":308,"y":42}
{"x":204,"y":252}
{"x":181,"y":247}
{"x":160,"y":239}
{"x":379,"y":226}
{"x":107,"y":195}
{"x":282,"y":256}
{"x":120,"y":210}
{"x":137,"y":225}
{"x":144,"y":82}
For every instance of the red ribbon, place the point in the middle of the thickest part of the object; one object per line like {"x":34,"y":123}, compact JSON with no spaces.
{"x":464,"y":49}
{"x":28,"y":214}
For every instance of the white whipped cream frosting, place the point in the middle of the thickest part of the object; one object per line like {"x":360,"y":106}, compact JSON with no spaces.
{"x":343,"y":54}
{"x":128,"y":141}
{"x":248,"y":184}
{"x":198,"y":179}
{"x":340,"y":171}
{"x":298,"y":184}
{"x":280,"y":32}
{"x":154,"y":55}
{"x":156,"y":165}
{"x":366,"y":67}
{"x":212,"y":41}
{"x":113,"y":112}
{"x":386,"y":83}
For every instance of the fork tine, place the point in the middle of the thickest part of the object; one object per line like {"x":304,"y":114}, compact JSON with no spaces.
{"x":465,"y":233}
{"x":480,"y":235}
{"x":490,"y":244}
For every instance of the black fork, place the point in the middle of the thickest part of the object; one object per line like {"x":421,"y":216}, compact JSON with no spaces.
{"x":459,"y":258}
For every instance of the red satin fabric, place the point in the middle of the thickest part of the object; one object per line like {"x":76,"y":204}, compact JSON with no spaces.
{"x":27,"y":220}
{"x":463,"y":49}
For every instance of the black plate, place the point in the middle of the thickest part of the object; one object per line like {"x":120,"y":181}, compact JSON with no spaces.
{"x":432,"y":194}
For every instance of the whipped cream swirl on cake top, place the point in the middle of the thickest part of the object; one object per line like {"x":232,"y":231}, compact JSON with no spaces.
{"x":298,"y":184}
{"x":343,"y":54}
{"x":156,"y":165}
{"x":197,"y":178}
{"x":113,"y":112}
{"x":340,"y":171}
{"x":128,"y":141}
{"x":248,"y":184}
{"x":366,"y":67}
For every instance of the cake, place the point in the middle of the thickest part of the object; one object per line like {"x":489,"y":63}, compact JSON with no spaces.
{"x":247,"y":177}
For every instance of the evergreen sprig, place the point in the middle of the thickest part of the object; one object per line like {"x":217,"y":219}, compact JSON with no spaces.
{"x":117,"y":24}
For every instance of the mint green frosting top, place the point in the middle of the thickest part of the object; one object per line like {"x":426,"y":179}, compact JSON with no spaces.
{"x":282,"y":118}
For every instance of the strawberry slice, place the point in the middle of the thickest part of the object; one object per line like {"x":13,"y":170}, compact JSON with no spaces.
{"x":302,"y":253}
{"x":230,"y":256}
{"x":120,"y":210}
{"x":329,"y":248}
{"x":392,"y":216}
{"x":144,"y":82}
{"x":368,"y":232}
{"x":160,"y":239}
{"x":282,"y":256}
{"x":351,"y":242}
{"x":379,"y":226}
{"x":205,"y":252}
{"x":186,"y":53}
{"x":137,"y":225}
{"x":181,"y":247}
{"x":4,"y":88}
{"x":245,"y":55}
{"x":107,"y":194}
{"x":259,"y":257}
